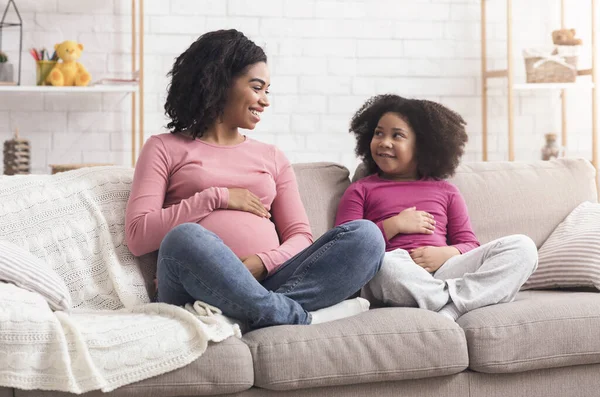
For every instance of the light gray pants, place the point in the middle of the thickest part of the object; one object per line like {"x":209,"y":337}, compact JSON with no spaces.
{"x":490,"y":274}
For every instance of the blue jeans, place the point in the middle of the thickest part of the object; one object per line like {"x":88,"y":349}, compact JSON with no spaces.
{"x":195,"y":264}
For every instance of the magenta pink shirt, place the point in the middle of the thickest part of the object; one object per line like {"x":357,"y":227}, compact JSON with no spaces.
{"x":178,"y":180}
{"x":378,"y":199}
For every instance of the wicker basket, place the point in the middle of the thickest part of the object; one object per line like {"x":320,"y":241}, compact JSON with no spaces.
{"x":557,"y":66}
{"x":56,"y":168}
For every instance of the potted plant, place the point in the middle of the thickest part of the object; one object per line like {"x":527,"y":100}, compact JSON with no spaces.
{"x":6,"y":69}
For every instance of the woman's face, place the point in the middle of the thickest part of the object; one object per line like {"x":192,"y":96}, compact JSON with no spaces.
{"x":247,"y":97}
{"x":393,"y":147}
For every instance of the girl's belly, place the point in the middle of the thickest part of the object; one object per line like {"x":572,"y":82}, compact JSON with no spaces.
{"x":245,"y":233}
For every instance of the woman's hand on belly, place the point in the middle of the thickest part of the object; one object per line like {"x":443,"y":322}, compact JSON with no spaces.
{"x":256,"y":266}
{"x":245,"y":200}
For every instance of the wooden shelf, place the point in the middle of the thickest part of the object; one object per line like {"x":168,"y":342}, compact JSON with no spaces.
{"x":512,"y":84}
{"x":49,"y":88}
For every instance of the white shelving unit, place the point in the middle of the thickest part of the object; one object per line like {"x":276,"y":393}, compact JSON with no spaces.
{"x":136,"y":90}
{"x":514,"y":86}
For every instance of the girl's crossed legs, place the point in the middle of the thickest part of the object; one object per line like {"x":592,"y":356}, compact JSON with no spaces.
{"x":490,"y":274}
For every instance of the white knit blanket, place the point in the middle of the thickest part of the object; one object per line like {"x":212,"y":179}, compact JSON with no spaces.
{"x":114,"y":335}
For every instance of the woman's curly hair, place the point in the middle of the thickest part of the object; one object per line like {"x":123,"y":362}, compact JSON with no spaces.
{"x":202,"y":76}
{"x":440,"y":133}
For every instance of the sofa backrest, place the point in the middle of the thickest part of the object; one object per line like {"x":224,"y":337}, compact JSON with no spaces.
{"x":321,"y":187}
{"x":529,"y":198}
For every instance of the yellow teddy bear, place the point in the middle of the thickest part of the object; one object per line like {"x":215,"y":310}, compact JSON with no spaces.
{"x":69,"y":72}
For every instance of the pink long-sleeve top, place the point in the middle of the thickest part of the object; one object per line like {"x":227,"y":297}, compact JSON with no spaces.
{"x":178,"y":179}
{"x":378,"y":199}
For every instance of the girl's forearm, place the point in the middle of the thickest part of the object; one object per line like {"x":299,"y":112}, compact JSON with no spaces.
{"x":390,"y":227}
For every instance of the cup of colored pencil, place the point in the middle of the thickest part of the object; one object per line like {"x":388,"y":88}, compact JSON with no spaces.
{"x":43,"y":64}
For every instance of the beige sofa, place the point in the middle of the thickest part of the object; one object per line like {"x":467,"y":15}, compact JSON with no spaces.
{"x":544,"y":344}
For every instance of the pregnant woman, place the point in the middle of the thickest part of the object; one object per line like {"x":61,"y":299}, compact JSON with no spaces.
{"x":223,"y":210}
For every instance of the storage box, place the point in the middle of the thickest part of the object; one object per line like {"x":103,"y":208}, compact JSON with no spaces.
{"x":558,"y":65}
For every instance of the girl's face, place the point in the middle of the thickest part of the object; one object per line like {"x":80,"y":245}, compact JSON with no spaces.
{"x":247,"y":97}
{"x":393,"y":148}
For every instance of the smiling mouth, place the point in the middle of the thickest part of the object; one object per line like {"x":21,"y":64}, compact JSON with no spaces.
{"x":385,"y":155}
{"x":255,"y":112}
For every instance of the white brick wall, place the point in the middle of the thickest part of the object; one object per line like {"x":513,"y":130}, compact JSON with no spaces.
{"x":326,"y":58}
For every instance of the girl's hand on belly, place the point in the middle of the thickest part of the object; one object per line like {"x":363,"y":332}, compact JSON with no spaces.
{"x":256,"y":266}
{"x":432,"y":258}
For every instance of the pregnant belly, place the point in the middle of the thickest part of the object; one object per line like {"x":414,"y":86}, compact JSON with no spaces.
{"x":245,"y":233}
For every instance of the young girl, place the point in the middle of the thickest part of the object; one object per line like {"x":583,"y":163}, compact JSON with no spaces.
{"x":223,"y":210}
{"x":433,"y":259}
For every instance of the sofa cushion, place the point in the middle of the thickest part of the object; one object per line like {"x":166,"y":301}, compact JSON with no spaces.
{"x":571,"y":255}
{"x":321,"y":187}
{"x":523,"y":198}
{"x":379,"y":345}
{"x":540,"y":329}
{"x":225,"y":367}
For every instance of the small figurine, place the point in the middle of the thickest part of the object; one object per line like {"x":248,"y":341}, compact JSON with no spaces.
{"x":551,"y":150}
